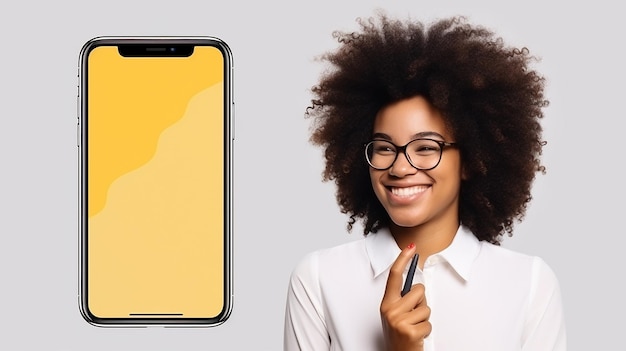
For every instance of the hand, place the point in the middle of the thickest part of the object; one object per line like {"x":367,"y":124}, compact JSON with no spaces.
{"x":404,"y":318}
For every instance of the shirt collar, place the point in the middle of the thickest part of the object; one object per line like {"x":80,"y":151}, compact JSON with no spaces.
{"x":383,"y":250}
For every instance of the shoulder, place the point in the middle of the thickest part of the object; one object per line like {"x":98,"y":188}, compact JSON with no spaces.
{"x":522,"y":272}
{"x":531,"y":281}
{"x":308,"y":276}
{"x":310,"y":265}
{"x":498,"y":255}
{"x":504,"y":258}
{"x":520,"y":269}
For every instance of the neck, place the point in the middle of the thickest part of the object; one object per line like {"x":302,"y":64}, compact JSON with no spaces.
{"x":428,"y":238}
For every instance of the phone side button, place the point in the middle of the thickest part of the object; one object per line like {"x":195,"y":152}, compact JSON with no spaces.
{"x":232,"y":84}
{"x":78,"y":134}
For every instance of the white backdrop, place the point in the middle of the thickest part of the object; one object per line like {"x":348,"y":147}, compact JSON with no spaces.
{"x":282,"y":208}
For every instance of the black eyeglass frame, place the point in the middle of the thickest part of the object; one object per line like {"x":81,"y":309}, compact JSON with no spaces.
{"x":442,"y":146}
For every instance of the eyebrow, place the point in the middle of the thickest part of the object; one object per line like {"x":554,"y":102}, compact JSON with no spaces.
{"x":415,"y":136}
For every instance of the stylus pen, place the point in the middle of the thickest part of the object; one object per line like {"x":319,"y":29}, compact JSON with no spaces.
{"x":409,"y":276}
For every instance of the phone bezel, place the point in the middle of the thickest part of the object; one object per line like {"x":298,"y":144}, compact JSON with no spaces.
{"x":228,"y":180}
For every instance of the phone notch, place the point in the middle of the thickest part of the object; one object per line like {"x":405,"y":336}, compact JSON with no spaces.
{"x":156,"y":50}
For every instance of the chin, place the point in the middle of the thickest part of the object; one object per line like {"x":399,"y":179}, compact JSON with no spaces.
{"x":407,"y":221}
{"x":407,"y":224}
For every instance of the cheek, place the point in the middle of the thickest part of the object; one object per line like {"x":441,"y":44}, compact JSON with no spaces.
{"x":451,"y":176}
{"x":375,"y":182}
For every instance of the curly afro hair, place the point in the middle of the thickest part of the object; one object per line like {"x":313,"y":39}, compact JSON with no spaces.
{"x":490,"y":100}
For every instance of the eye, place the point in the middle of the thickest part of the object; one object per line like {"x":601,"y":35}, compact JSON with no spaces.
{"x":424,"y":147}
{"x":427,"y":148}
{"x":383,"y":148}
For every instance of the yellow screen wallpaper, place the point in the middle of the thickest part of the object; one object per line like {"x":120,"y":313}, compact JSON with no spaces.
{"x":155,"y":184}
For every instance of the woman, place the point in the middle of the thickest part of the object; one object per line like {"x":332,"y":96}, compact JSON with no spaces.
{"x":433,"y":139}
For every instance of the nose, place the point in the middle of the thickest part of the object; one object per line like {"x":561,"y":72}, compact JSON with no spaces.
{"x":401,"y":167}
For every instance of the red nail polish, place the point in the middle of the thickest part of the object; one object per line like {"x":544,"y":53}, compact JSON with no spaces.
{"x":411,"y":245}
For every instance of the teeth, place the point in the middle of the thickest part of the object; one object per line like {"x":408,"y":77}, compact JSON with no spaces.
{"x":408,"y":191}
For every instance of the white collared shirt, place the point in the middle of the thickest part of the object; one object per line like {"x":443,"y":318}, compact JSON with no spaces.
{"x":482,"y":297}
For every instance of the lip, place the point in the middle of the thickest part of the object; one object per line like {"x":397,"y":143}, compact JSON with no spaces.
{"x":405,"y":194}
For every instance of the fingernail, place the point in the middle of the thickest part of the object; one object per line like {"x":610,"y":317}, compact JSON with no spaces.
{"x":411,"y":245}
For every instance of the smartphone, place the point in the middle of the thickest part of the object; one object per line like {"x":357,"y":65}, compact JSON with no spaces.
{"x":155,"y":138}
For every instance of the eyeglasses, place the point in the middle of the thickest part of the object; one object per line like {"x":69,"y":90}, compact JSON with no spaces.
{"x":423,"y":154}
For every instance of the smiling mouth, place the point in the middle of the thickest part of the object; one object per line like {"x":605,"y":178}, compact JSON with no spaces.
{"x":408,"y":191}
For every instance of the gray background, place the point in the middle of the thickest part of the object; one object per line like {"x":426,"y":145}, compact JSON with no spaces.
{"x":282,"y":208}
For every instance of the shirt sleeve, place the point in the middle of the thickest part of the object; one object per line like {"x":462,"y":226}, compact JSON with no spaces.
{"x":305,"y":327}
{"x":545,"y":325}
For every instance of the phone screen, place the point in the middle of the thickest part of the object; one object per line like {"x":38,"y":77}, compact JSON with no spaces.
{"x":155,"y":203}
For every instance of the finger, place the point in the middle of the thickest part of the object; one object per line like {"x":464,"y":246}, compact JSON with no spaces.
{"x":423,"y":329}
{"x":415,"y":298}
{"x":394,"y":281}
{"x":414,"y":331}
{"x":417,"y":295}
{"x":419,"y":330}
{"x":418,"y":315}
